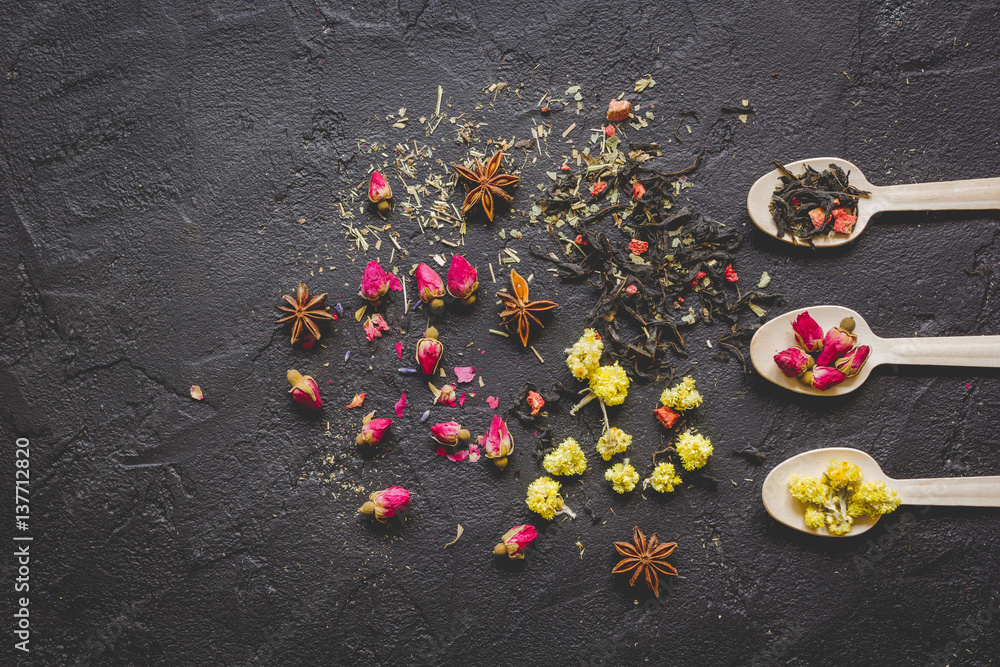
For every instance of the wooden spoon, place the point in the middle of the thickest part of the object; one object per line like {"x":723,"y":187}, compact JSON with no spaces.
{"x":777,"y":335}
{"x":954,"y":491}
{"x":973,"y":194}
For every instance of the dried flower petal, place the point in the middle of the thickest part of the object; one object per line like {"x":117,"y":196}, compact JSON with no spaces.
{"x":358,"y":400}
{"x":196,"y":392}
{"x":400,"y":404}
{"x":464,"y":373}
{"x":493,"y":402}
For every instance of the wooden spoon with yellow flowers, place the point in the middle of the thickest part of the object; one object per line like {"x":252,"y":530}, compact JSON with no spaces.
{"x":517,"y":307}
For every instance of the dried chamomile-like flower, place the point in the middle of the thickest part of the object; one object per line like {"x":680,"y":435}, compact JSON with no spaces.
{"x":622,"y":476}
{"x":664,"y":478}
{"x":544,"y":499}
{"x":614,"y":441}
{"x":585,"y":355}
{"x":610,"y":384}
{"x":694,"y":449}
{"x":566,"y":459}
{"x":808,"y":489}
{"x":682,"y":397}
{"x":872,"y":499}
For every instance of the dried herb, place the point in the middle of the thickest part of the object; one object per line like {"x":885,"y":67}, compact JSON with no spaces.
{"x":815,"y":202}
{"x":647,"y":558}
{"x":517,"y":307}
{"x":752,"y":455}
{"x":305,"y":311}
{"x":486,"y":182}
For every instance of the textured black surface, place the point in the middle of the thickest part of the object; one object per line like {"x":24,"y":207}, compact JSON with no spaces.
{"x":156,"y":160}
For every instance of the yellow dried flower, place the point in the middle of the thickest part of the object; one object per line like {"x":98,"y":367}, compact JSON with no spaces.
{"x":622,"y":476}
{"x":585,"y":355}
{"x":664,"y":478}
{"x":610,"y":384}
{"x":614,"y":441}
{"x":544,"y":498}
{"x":566,"y":459}
{"x":808,"y":489}
{"x":842,"y":474}
{"x":838,"y":527}
{"x":682,"y":397}
{"x":694,"y":449}
{"x":872,"y":499}
{"x":815,"y":518}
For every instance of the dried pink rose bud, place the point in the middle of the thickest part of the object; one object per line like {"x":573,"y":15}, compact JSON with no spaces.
{"x":850,"y":364}
{"x":375,"y":282}
{"x":304,"y":389}
{"x":449,"y":433}
{"x":498,"y":443}
{"x":836,"y":344}
{"x":429,"y":351}
{"x":463,"y":280}
{"x":824,"y":377}
{"x":446,"y":396}
{"x":385,"y":503}
{"x":515,"y":541}
{"x":808,"y":333}
{"x":379,"y":192}
{"x":793,"y":362}
{"x":430,"y":287}
{"x":373,"y":430}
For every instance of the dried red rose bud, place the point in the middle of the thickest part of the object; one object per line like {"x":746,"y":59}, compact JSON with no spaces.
{"x":375,"y":282}
{"x":385,"y":503}
{"x":379,"y":192}
{"x":638,"y":191}
{"x":597,"y":188}
{"x":808,"y":334}
{"x":463,"y":280}
{"x":498,"y":443}
{"x":449,"y":433}
{"x":304,"y":389}
{"x":731,"y":274}
{"x":429,"y":351}
{"x":836,"y":343}
{"x":609,"y":131}
{"x":618,"y":110}
{"x":430,"y":287}
{"x":850,"y":364}
{"x":824,"y":377}
{"x":373,"y":430}
{"x":666,"y":416}
{"x":536,"y":402}
{"x":515,"y":541}
{"x":793,"y":362}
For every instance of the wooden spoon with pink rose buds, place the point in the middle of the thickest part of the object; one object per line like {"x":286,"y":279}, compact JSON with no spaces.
{"x":949,"y":491}
{"x":968,"y":195}
{"x":778,"y":335}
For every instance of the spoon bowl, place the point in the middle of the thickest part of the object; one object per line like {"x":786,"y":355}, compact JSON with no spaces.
{"x":949,"y":491}
{"x":777,"y":335}
{"x":973,"y":194}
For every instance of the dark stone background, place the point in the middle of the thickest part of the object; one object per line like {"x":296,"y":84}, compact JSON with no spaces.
{"x":156,"y":159}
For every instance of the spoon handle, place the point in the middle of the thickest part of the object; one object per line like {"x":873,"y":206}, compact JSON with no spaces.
{"x":973,"y":194}
{"x":967,"y":491}
{"x":980,"y":351}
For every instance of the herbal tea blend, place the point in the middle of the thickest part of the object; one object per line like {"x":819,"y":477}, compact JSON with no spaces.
{"x":814,"y":202}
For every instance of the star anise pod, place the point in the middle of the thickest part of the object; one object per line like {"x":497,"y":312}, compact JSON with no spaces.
{"x":647,"y":557}
{"x":486,"y":182}
{"x":305,"y":310}
{"x":517,"y":307}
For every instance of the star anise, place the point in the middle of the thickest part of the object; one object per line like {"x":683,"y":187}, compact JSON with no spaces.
{"x":305,"y":310}
{"x":517,"y":307}
{"x":645,"y":557}
{"x":486,"y":182}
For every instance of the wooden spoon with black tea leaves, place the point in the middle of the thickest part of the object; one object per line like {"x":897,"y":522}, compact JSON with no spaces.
{"x":967,"y":195}
{"x":777,"y":335}
{"x":949,"y":491}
